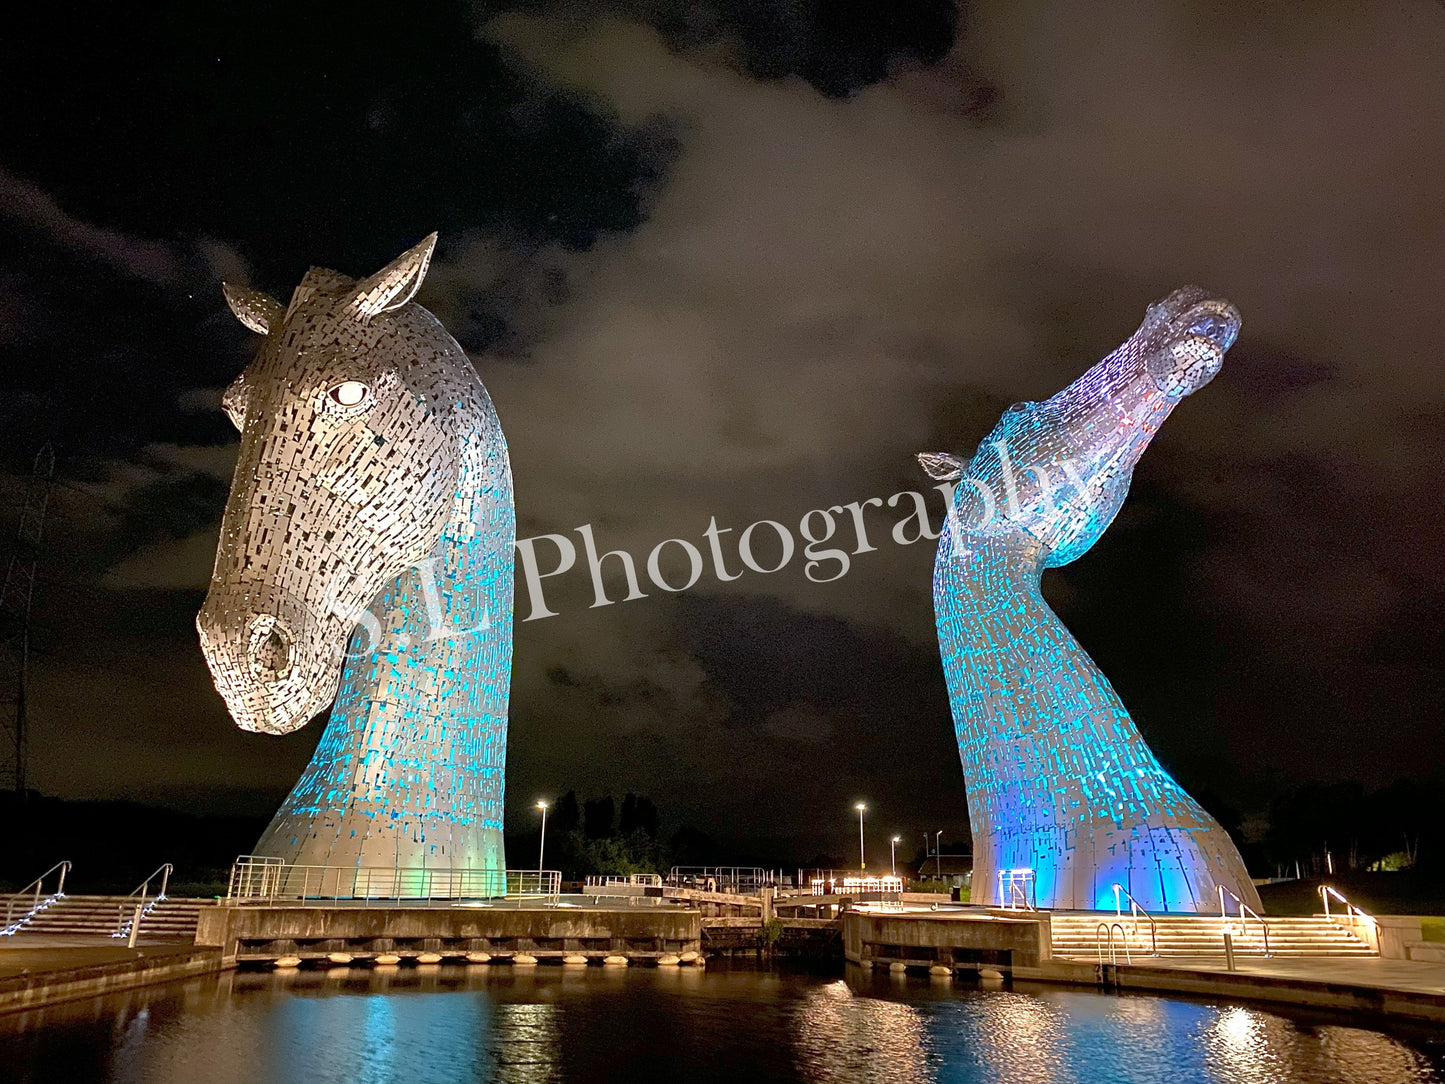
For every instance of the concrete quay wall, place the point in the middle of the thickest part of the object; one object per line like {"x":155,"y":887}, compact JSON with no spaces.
{"x":269,"y":931}
{"x":45,"y":986}
{"x":946,"y":939}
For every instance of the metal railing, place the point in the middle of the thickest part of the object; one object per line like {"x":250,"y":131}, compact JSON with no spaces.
{"x":1353,"y":915}
{"x":1135,"y":910}
{"x":1326,"y":891}
{"x":807,"y":878}
{"x":141,"y":903}
{"x":735,"y":879}
{"x":629,"y":880}
{"x":1244,"y":909}
{"x":33,"y":893}
{"x":256,"y":879}
{"x":1018,"y":889}
{"x":1109,"y":928}
{"x":886,"y":883}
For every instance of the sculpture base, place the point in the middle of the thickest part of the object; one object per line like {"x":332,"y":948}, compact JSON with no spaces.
{"x":343,"y":843}
{"x":1167,"y":868}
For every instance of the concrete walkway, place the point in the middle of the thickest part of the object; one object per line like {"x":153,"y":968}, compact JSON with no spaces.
{"x":40,"y":969}
{"x":1406,"y":988}
{"x":1405,"y":975}
{"x":41,"y":954}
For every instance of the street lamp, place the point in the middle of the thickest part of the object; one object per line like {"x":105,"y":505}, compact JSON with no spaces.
{"x":937,"y":855}
{"x":893,"y":854}
{"x":542,"y":839}
{"x":862,"y":861}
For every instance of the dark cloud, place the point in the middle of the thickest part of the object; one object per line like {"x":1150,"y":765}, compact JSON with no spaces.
{"x":334,"y":134}
{"x":837,"y":47}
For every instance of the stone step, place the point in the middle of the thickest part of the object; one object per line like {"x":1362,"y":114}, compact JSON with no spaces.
{"x":1253,"y":936}
{"x":1217,"y":953}
{"x":105,"y":915}
{"x":1077,"y":935}
{"x":1144,"y":936}
{"x":1213,"y":945}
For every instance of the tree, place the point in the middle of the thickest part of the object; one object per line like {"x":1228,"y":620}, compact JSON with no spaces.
{"x":638,"y":815}
{"x":598,"y":816}
{"x":567,"y":817}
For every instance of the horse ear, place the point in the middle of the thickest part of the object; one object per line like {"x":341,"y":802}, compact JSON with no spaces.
{"x":396,"y":283}
{"x":942,"y":466}
{"x":235,"y":401}
{"x":253,"y":308}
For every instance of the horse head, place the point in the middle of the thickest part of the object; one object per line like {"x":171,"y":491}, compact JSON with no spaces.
{"x":352,"y":444}
{"x":1059,"y":470}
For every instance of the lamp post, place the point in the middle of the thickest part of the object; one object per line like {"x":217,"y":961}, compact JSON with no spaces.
{"x":937,"y":857}
{"x":542,"y":838}
{"x":862,"y":860}
{"x":893,"y":854}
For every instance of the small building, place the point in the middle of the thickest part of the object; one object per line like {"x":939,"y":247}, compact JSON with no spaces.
{"x":956,"y":869}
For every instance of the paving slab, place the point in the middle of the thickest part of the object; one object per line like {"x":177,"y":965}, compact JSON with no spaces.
{"x":1406,"y":988}
{"x":1413,"y":976}
{"x":40,"y":955}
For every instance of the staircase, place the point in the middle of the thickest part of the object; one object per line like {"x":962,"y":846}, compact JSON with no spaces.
{"x":169,"y":919}
{"x":20,"y":911}
{"x":1076,"y":934}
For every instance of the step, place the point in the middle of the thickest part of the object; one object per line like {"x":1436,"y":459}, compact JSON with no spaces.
{"x":1202,"y":935}
{"x":104,"y":916}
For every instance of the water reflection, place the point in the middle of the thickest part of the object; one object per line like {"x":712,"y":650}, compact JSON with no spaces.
{"x":1239,"y":1047}
{"x":843,"y":1037}
{"x":544,"y":1024}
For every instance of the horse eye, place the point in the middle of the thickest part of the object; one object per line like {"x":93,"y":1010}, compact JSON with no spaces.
{"x":349,"y":393}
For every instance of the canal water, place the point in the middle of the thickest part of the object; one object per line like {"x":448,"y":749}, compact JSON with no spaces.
{"x":684,"y":1025}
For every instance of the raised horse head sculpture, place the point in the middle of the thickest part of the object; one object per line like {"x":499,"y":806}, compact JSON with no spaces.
{"x":1060,"y":783}
{"x":366,"y":558}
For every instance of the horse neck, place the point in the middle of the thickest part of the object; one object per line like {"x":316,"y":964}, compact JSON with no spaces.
{"x":1015,"y":673}
{"x":444,"y":610}
{"x":409,"y":770}
{"x":1000,"y":637}
{"x":974,"y":572}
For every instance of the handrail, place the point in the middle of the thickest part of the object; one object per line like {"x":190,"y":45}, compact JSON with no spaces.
{"x":126,"y":912}
{"x":1326,"y":891}
{"x":1135,"y":910}
{"x":163,"y":871}
{"x":1352,"y":913}
{"x":1109,"y":928}
{"x":11,"y":923}
{"x":1243,"y":908}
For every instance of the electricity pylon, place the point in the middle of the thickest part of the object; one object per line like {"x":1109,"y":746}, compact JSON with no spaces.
{"x":17,"y":593}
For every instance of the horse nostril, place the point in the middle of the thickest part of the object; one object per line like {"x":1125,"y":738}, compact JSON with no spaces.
{"x":1185,"y":365}
{"x":269,"y":647}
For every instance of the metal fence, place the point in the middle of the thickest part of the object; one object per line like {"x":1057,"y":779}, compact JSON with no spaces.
{"x":632,"y":880}
{"x":258,"y":879}
{"x":1018,"y":889}
{"x":739,"y":879}
{"x":857,"y":883}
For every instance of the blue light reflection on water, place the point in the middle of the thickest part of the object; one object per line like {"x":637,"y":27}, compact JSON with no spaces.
{"x":495,"y":1024}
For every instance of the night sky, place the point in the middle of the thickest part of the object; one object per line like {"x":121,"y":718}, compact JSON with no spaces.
{"x":741,"y":260}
